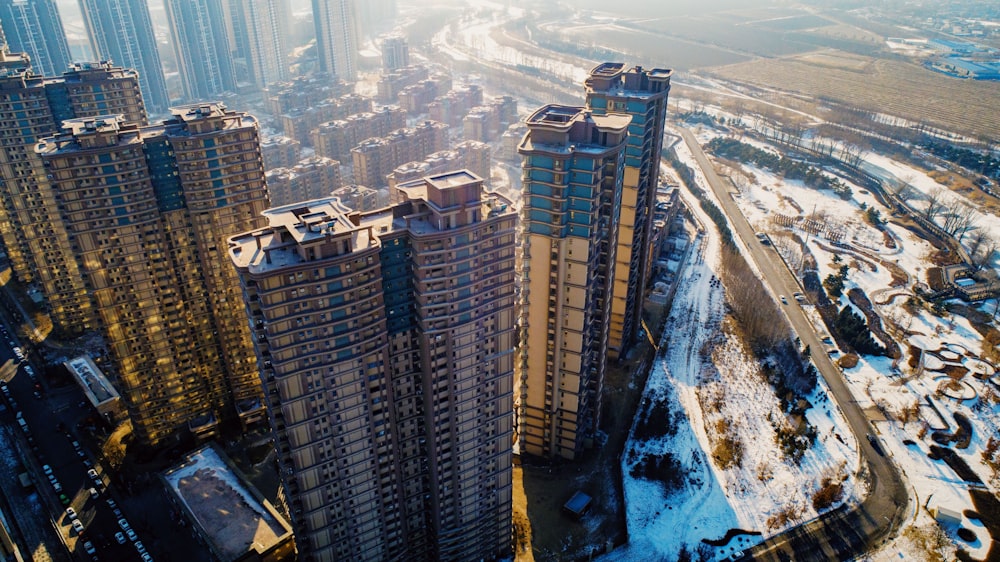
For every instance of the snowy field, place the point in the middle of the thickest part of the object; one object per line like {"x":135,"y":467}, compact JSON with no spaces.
{"x":932,"y":346}
{"x":706,"y":377}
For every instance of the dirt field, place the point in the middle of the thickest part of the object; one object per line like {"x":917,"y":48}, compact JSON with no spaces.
{"x":884,"y":86}
{"x":542,"y":531}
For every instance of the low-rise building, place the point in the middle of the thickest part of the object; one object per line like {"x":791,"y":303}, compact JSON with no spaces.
{"x":231,"y":517}
{"x":376,"y":158}
{"x":279,"y":152}
{"x":311,"y":178}
{"x":98,"y":390}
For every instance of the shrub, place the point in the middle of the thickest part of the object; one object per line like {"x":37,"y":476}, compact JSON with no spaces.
{"x":830,"y":492}
{"x":848,"y":361}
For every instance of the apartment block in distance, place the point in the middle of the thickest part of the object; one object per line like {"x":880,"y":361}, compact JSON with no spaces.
{"x":573,"y":162}
{"x":642,"y":94}
{"x":468,"y":155}
{"x":310,"y":178}
{"x":376,"y":158}
{"x":147,"y":211}
{"x":32,"y":107}
{"x":335,"y":139}
{"x":386,"y":342}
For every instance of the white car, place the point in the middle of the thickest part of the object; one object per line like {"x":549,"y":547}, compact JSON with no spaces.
{"x":93,"y":474}
{"x":120,"y":537}
{"x":88,"y":547}
{"x":77,"y":526}
{"x":131,"y":535}
{"x":71,"y":513}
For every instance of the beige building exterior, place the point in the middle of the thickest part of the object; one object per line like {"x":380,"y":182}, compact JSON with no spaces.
{"x":299,"y":122}
{"x":386,"y":340}
{"x":335,"y":139}
{"x":466,"y":155}
{"x":573,"y":166}
{"x":641,"y":94}
{"x":311,"y":178}
{"x":32,"y":107}
{"x":376,"y":158}
{"x":147,"y":211}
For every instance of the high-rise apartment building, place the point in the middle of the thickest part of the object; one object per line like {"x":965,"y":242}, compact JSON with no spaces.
{"x":337,"y":38}
{"x":642,"y":94}
{"x":258,"y":31}
{"x":201,"y":45}
{"x":386,"y":342}
{"x":146,"y":212}
{"x":34,"y":27}
{"x":33,"y":107}
{"x":573,"y":165}
{"x":122,"y":32}
{"x":395,"y":53}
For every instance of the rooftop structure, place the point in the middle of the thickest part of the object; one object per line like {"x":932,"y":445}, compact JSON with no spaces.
{"x":96,"y":387}
{"x":232,"y":518}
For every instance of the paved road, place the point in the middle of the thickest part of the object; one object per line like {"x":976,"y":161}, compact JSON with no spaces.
{"x":850,"y":530}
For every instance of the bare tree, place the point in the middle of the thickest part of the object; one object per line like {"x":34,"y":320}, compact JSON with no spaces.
{"x":959,"y":220}
{"x":984,"y":253}
{"x":935,"y":204}
{"x":902,"y":189}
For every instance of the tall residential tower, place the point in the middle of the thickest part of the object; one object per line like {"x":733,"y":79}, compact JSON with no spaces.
{"x":259,"y":35}
{"x":201,"y":43}
{"x":573,"y":165}
{"x":641,"y":94}
{"x":147,"y":211}
{"x":33,"y":107}
{"x":121,"y":31}
{"x":386,"y":342}
{"x":34,"y":27}
{"x":337,"y":37}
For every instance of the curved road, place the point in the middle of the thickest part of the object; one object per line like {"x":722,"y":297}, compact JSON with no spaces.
{"x":850,"y":530}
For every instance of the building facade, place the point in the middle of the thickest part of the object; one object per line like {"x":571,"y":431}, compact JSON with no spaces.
{"x":386,"y":343}
{"x":122,"y":32}
{"x":573,"y":164}
{"x":335,"y":139}
{"x":376,"y":158}
{"x":34,"y":27}
{"x":201,"y":45}
{"x":147,"y":211}
{"x":337,"y":37}
{"x":34,"y":237}
{"x":258,"y":33}
{"x":395,"y":53}
{"x":311,"y":178}
{"x":466,"y":155}
{"x":642,"y":94}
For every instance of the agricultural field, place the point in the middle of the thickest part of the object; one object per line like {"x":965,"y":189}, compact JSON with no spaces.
{"x":896,"y":88}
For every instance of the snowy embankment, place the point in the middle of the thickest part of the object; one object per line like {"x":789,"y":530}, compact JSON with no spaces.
{"x":720,"y":407}
{"x":940,"y":373}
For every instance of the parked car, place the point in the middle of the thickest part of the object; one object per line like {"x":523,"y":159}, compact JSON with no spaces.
{"x":77,"y":526}
{"x":120,"y":537}
{"x":71,"y":513}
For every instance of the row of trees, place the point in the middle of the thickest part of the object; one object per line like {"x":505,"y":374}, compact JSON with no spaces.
{"x":977,"y":161}
{"x":811,"y":176}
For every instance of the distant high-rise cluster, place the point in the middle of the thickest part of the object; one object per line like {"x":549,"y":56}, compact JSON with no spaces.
{"x":259,"y":40}
{"x":121,"y":31}
{"x":35,"y":28}
{"x":590,"y":176}
{"x":201,"y":47}
{"x":337,"y":37}
{"x":386,"y":341}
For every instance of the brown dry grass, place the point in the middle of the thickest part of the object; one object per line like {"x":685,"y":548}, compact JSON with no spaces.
{"x":893,"y":87}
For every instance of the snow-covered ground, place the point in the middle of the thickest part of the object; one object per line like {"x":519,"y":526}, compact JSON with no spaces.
{"x":880,"y":383}
{"x":706,"y":376}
